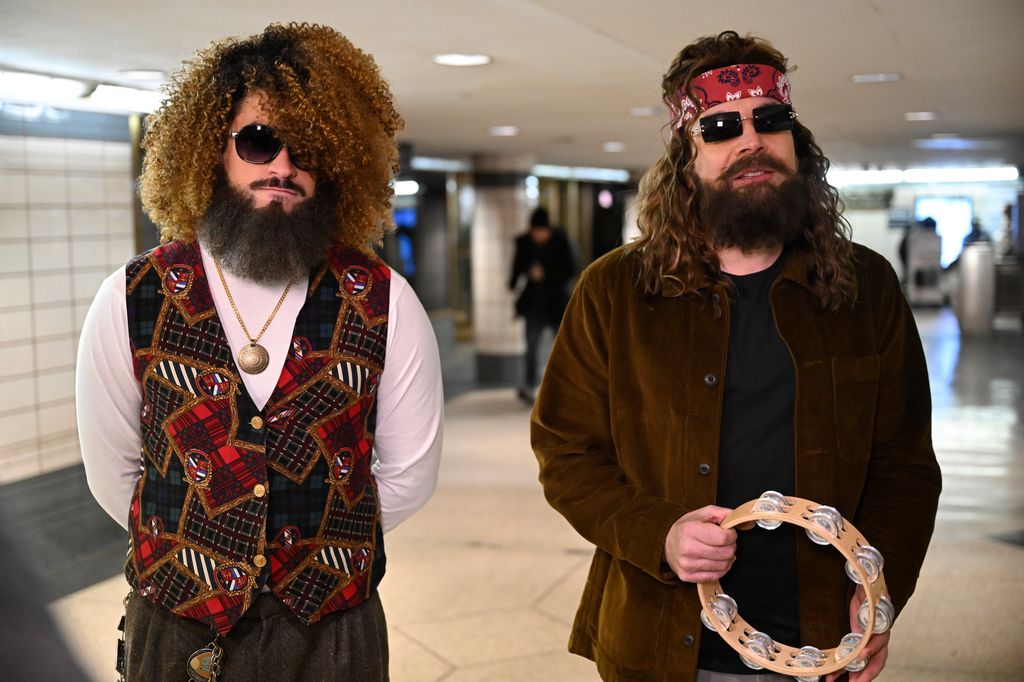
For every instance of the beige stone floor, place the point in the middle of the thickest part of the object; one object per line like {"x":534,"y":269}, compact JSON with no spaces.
{"x":482,"y":584}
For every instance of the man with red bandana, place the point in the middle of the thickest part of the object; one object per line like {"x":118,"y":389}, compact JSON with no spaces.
{"x":743,"y":344}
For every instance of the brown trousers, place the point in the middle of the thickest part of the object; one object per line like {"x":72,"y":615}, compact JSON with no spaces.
{"x":268,"y":644}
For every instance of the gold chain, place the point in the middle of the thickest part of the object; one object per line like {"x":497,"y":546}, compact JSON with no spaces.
{"x":238,"y":315}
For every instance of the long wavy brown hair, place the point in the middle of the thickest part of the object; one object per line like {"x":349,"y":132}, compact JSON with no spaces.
{"x":674,"y":246}
{"x":328,"y":101}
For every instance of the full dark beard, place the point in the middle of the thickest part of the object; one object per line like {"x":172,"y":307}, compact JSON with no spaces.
{"x":759,"y":216}
{"x":268,"y":245}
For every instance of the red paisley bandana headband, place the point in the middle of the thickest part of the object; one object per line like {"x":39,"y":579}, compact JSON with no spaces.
{"x":729,"y":83}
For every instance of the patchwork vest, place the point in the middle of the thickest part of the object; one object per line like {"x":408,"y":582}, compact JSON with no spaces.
{"x":232,"y":498}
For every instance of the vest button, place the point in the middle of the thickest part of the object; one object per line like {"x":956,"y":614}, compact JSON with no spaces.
{"x":259,"y":490}
{"x":704,"y":469}
{"x":711,"y":379}
{"x":259,"y":561}
{"x":688,"y":641}
{"x":256,"y":423}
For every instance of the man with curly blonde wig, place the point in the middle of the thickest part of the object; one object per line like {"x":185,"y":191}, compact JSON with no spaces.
{"x":259,"y":397}
{"x":743,"y":344}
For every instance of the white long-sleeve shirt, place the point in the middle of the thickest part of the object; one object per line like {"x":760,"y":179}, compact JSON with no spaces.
{"x":410,"y":401}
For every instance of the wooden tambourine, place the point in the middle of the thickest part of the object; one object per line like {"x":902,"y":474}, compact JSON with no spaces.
{"x":824,"y":525}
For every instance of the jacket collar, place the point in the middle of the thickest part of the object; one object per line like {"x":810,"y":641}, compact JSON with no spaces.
{"x":794,"y":269}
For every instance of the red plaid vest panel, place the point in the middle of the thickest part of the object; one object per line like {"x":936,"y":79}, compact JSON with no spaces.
{"x":232,"y":498}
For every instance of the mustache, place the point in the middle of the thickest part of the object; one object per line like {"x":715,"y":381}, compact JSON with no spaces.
{"x":283,"y":183}
{"x":761,"y":160}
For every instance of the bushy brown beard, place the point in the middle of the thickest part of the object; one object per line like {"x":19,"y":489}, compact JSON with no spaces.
{"x":759,"y":216}
{"x":268,"y":245}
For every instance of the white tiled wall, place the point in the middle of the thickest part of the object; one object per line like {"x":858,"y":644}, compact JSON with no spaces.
{"x":65,"y":224}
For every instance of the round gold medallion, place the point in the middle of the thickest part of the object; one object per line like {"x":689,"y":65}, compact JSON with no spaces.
{"x":253,"y":359}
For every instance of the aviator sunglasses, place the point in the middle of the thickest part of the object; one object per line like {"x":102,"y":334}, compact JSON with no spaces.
{"x":257,"y":143}
{"x":774,"y":118}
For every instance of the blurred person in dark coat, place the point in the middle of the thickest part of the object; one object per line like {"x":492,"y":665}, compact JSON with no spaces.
{"x":544,"y":257}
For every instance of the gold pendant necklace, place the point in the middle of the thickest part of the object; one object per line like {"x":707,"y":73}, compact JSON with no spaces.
{"x":253,"y":358}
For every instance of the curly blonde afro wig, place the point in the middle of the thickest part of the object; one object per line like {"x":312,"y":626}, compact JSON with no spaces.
{"x":328,"y":103}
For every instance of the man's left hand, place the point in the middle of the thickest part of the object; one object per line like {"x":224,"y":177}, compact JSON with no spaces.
{"x":876,"y":652}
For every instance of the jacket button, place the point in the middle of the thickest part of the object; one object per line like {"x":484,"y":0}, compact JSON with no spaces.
{"x":688,"y":641}
{"x":704,"y":469}
{"x":256,"y":423}
{"x":259,"y":561}
{"x":259,"y":490}
{"x":711,"y":379}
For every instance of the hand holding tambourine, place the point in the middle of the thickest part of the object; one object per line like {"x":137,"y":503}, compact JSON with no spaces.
{"x":824,"y":526}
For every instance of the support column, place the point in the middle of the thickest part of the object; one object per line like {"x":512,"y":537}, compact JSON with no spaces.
{"x":502,"y":212}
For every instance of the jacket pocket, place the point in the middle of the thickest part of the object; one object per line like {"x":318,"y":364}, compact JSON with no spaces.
{"x":630,"y":620}
{"x":855,"y":382}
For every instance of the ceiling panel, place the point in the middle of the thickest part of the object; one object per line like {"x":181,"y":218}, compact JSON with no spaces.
{"x":567,"y":72}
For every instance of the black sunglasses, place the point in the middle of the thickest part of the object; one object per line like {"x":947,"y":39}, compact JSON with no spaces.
{"x":257,"y":143}
{"x":774,"y":118}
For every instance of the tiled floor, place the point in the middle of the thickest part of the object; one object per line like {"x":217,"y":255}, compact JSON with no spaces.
{"x":483,"y":583}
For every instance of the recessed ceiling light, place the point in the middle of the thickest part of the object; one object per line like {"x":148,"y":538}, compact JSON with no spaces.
{"x":614,"y":147}
{"x":876,"y":77}
{"x":456,"y":59}
{"x":143,"y":74}
{"x":921,"y":115}
{"x":645,"y":111}
{"x":504,"y":131}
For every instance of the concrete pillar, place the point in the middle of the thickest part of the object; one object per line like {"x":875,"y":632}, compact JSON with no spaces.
{"x":501,"y":212}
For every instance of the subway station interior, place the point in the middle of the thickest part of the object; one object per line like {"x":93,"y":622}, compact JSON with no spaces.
{"x":917,"y":104}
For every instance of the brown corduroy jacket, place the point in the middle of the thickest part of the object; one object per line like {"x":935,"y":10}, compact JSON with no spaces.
{"x":626,"y":431}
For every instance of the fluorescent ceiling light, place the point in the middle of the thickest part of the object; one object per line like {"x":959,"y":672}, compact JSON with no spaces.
{"x":991,"y":174}
{"x":406,"y":188}
{"x":921,"y":115}
{"x":504,"y":131}
{"x":31,"y":87}
{"x":841,"y":177}
{"x":455,"y":59}
{"x":956,"y":143}
{"x":614,"y":147}
{"x":581,"y":173}
{"x":125,"y":99}
{"x":876,"y":77}
{"x":428,"y":163}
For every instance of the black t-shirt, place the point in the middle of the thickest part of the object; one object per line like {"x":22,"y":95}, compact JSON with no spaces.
{"x":756,"y":454}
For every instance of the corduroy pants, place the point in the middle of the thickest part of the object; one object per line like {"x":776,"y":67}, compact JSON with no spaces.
{"x":268,"y":644}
